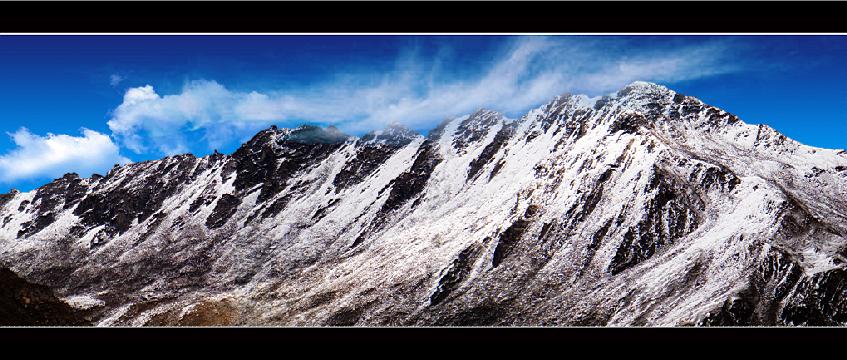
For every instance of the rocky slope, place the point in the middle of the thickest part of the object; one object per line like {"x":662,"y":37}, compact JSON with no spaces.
{"x":643,"y":208}
{"x":26,"y":304}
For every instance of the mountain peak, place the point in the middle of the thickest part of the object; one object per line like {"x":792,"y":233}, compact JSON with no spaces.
{"x":484,"y":112}
{"x":644,"y":88}
{"x":394,"y":134}
{"x":646,"y":85}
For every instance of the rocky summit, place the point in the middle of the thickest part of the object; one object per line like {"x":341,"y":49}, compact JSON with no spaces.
{"x":643,"y":208}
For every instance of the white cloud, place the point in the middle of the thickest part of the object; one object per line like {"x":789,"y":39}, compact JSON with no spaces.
{"x":531,"y":71}
{"x":54,"y":155}
{"x":145,"y":118}
{"x":116,"y":79}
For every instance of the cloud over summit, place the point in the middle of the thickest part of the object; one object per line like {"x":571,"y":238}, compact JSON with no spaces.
{"x":417,"y":93}
{"x":421,"y":89}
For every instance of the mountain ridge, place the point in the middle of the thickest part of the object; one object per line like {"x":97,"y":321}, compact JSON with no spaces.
{"x":647,"y":207}
{"x":649,"y":87}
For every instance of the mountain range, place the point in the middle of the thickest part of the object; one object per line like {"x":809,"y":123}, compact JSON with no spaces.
{"x":642,"y":208}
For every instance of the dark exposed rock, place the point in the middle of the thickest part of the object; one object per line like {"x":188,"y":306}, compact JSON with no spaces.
{"x":34,"y":226}
{"x":226,"y":207}
{"x":628,"y":123}
{"x":815,"y":172}
{"x":716,"y":117}
{"x":596,"y":240}
{"x":625,"y":91}
{"x":322,"y":211}
{"x":26,"y":304}
{"x":345,"y":317}
{"x":368,"y":159}
{"x":407,"y":185}
{"x":156,"y":220}
{"x":710,"y":177}
{"x":199,"y":202}
{"x":490,"y":151}
{"x":5,"y":198}
{"x":532,"y":135}
{"x":361,"y":238}
{"x":781,"y":294}
{"x":669,"y":215}
{"x":588,"y":200}
{"x":818,"y":300}
{"x":553,"y":114}
{"x":496,"y":169}
{"x":117,"y":209}
{"x":690,"y":108}
{"x":546,"y":231}
{"x":454,"y":274}
{"x":486,"y":314}
{"x":276,"y":207}
{"x":599,"y":104}
{"x":509,"y":238}
{"x":474,"y":128}
{"x":736,"y":311}
{"x":412,"y":182}
{"x":776,"y":276}
{"x":795,"y":219}
{"x":531,"y":211}
{"x":576,"y":127}
{"x":272,"y":157}
{"x":61,"y":194}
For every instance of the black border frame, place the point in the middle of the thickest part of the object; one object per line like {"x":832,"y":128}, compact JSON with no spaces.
{"x":421,"y":16}
{"x":433,"y":17}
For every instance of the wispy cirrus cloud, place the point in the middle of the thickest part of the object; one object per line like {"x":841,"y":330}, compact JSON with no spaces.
{"x":116,"y":79}
{"x":528,"y":72}
{"x":53,"y":155}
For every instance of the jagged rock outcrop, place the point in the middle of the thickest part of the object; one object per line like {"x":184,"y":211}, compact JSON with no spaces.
{"x":646,"y":207}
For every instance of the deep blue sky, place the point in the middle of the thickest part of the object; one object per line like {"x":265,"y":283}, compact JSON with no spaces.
{"x":60,"y":84}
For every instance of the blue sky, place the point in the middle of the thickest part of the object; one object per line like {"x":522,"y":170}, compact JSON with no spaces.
{"x":82,"y":103}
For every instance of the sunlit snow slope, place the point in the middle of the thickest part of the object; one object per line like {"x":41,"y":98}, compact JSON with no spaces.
{"x":643,"y":208}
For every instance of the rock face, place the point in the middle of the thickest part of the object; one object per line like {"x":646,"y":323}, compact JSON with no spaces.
{"x":642,"y":208}
{"x":26,"y":304}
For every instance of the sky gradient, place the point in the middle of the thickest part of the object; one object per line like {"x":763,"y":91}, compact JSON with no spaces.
{"x":82,"y":103}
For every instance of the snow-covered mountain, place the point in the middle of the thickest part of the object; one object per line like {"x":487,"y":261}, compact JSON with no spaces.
{"x":643,"y":208}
